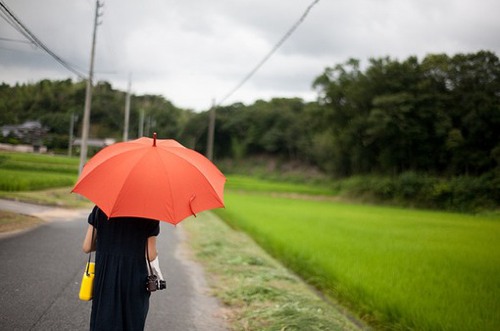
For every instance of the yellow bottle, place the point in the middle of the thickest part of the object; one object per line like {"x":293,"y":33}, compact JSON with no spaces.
{"x":87,"y":282}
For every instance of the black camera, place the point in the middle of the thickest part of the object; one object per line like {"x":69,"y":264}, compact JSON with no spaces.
{"x":153,"y":283}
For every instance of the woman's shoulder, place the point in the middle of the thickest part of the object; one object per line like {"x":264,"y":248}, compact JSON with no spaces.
{"x":94,"y":215}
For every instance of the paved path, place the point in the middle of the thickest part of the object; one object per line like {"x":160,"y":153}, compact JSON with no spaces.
{"x":41,"y":270}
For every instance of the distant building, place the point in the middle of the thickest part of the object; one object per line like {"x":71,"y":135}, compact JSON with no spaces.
{"x":95,"y":142}
{"x":27,"y":130}
{"x":30,"y":132}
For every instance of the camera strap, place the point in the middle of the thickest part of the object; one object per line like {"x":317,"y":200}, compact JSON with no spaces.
{"x":147,"y":257}
{"x":90,"y":253}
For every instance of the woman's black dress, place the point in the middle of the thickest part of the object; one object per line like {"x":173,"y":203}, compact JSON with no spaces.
{"x":120,"y":300}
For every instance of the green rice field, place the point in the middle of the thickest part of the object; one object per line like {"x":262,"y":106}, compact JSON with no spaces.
{"x":28,"y":172}
{"x":245,"y":183}
{"x":398,"y":268}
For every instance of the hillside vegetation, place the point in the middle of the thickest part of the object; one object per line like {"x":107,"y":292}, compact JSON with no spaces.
{"x":422,"y":132}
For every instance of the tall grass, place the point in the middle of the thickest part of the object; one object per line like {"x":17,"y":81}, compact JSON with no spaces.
{"x":260,"y":293}
{"x":399,"y":268}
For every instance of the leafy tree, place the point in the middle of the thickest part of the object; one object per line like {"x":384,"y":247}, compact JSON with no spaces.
{"x":439,"y":115}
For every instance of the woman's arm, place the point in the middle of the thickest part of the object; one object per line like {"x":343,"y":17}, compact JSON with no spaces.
{"x":88,"y":245}
{"x":152,"y":252}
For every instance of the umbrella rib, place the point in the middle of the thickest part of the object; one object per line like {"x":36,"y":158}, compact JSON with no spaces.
{"x":115,"y":203}
{"x":97,"y":167}
{"x":195,"y":166}
{"x":169,"y":184}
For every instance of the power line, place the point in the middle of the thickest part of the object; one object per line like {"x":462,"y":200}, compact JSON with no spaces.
{"x":16,"y":23}
{"x":274,"y":49}
{"x":14,"y":40}
{"x":12,"y":23}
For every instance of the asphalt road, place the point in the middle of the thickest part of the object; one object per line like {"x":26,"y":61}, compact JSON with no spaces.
{"x":41,"y":271}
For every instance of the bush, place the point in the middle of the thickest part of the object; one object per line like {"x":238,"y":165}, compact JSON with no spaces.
{"x":409,"y":185}
{"x":384,"y":188}
{"x":464,"y":193}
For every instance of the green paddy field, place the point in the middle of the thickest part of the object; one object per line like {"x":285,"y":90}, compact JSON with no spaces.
{"x":398,"y":268}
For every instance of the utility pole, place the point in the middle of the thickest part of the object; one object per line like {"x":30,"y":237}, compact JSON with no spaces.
{"x":148,"y":125}
{"x":211,"y":129}
{"x":127,"y":111}
{"x":73,"y":119}
{"x":88,"y":93}
{"x":141,"y":123}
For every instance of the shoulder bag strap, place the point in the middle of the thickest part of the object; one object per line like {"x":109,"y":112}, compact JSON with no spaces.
{"x":90,"y":254}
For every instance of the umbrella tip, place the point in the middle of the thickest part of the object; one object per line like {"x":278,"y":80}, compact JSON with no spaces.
{"x":154,"y":139}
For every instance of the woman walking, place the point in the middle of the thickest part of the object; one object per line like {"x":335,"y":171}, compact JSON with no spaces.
{"x":120,"y":299}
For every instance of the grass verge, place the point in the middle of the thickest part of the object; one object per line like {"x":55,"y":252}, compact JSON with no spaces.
{"x":58,"y":197}
{"x":14,"y":222}
{"x":260,"y":293}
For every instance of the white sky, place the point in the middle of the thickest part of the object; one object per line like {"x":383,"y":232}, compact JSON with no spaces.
{"x":194,"y":51}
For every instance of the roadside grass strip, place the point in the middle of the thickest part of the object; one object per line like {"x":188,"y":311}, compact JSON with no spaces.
{"x":60,"y":197}
{"x":257,"y":292}
{"x":398,"y":268}
{"x":10,"y":221}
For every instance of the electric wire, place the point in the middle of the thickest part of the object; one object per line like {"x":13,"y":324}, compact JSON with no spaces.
{"x":16,"y":23}
{"x":13,"y":24}
{"x":268,"y":55}
{"x":14,"y":40}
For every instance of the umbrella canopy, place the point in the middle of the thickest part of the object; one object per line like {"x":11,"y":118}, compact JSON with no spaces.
{"x":150,"y":178}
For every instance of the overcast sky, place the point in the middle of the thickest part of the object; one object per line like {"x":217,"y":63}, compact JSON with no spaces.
{"x":195,"y":51}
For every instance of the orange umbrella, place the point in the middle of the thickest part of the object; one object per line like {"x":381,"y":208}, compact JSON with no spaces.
{"x":150,"y":178}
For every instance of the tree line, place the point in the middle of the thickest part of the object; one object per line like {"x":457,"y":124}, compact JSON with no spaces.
{"x":439,"y":116}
